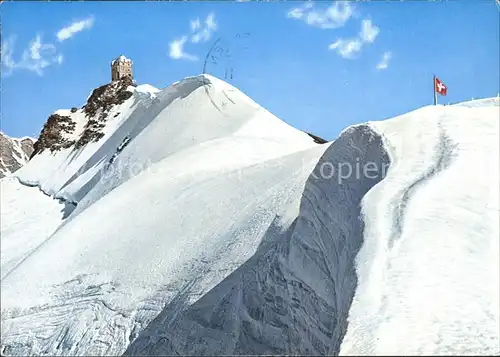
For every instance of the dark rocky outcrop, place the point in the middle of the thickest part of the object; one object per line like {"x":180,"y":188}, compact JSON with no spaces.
{"x":52,"y":135}
{"x":100,"y":102}
{"x":317,"y":139}
{"x":98,"y":106}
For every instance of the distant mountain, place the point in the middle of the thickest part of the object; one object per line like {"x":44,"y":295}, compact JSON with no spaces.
{"x":14,"y":153}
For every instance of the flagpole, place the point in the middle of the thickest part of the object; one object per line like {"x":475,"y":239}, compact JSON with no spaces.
{"x":434,"y":89}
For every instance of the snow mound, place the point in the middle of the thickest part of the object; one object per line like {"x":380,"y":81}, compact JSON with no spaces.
{"x":429,"y":268}
{"x":146,"y":89}
{"x":486,"y":102}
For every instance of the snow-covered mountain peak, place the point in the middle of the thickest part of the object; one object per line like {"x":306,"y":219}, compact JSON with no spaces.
{"x":123,"y":126}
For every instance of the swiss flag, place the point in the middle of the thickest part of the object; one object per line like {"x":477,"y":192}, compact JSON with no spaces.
{"x":440,"y":87}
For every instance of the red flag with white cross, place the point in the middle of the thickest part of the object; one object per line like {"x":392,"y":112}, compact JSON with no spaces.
{"x":440,"y":87}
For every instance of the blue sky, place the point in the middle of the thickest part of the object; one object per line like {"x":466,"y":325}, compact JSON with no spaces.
{"x":320,"y":66}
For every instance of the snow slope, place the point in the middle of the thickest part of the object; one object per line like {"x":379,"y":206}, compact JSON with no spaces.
{"x":205,"y":111}
{"x":429,"y":268}
{"x":180,"y":114}
{"x":427,"y":275}
{"x":205,"y":225}
{"x":292,"y":296}
{"x":486,"y":102}
{"x":28,"y":217}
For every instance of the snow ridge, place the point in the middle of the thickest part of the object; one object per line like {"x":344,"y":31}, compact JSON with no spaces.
{"x":293,"y":295}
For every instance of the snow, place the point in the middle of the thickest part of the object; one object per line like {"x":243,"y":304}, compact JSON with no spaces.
{"x":291,"y":296}
{"x":429,"y":268}
{"x":28,"y":217}
{"x":64,"y":112}
{"x":20,"y":138}
{"x":486,"y":102}
{"x":24,"y":138}
{"x":206,"y":225}
{"x":146,"y":88}
{"x":19,"y":155}
{"x":174,"y":117}
{"x":2,"y":170}
{"x":121,"y":58}
{"x":205,"y":167}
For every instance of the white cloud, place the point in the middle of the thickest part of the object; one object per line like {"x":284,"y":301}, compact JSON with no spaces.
{"x":369,"y":32}
{"x":7,"y":51}
{"x":36,"y":57}
{"x":195,"y":24}
{"x":200,"y":32}
{"x":72,"y":29}
{"x":384,"y":62}
{"x":203,"y":34}
{"x":299,"y":12}
{"x":60,"y":59}
{"x":210,"y":21}
{"x":177,"y":49}
{"x":200,"y":36}
{"x":334,"y":16}
{"x":36,"y":46}
{"x":347,"y":48}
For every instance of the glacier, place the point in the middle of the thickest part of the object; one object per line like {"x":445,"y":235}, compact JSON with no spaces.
{"x":202,"y":224}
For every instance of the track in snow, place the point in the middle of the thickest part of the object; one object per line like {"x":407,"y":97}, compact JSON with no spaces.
{"x":444,"y":156}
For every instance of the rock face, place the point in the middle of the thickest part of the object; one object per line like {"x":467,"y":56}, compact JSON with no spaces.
{"x":14,"y":153}
{"x":98,"y":105}
{"x":52,"y":135}
{"x":317,"y":139}
{"x":59,"y":130}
